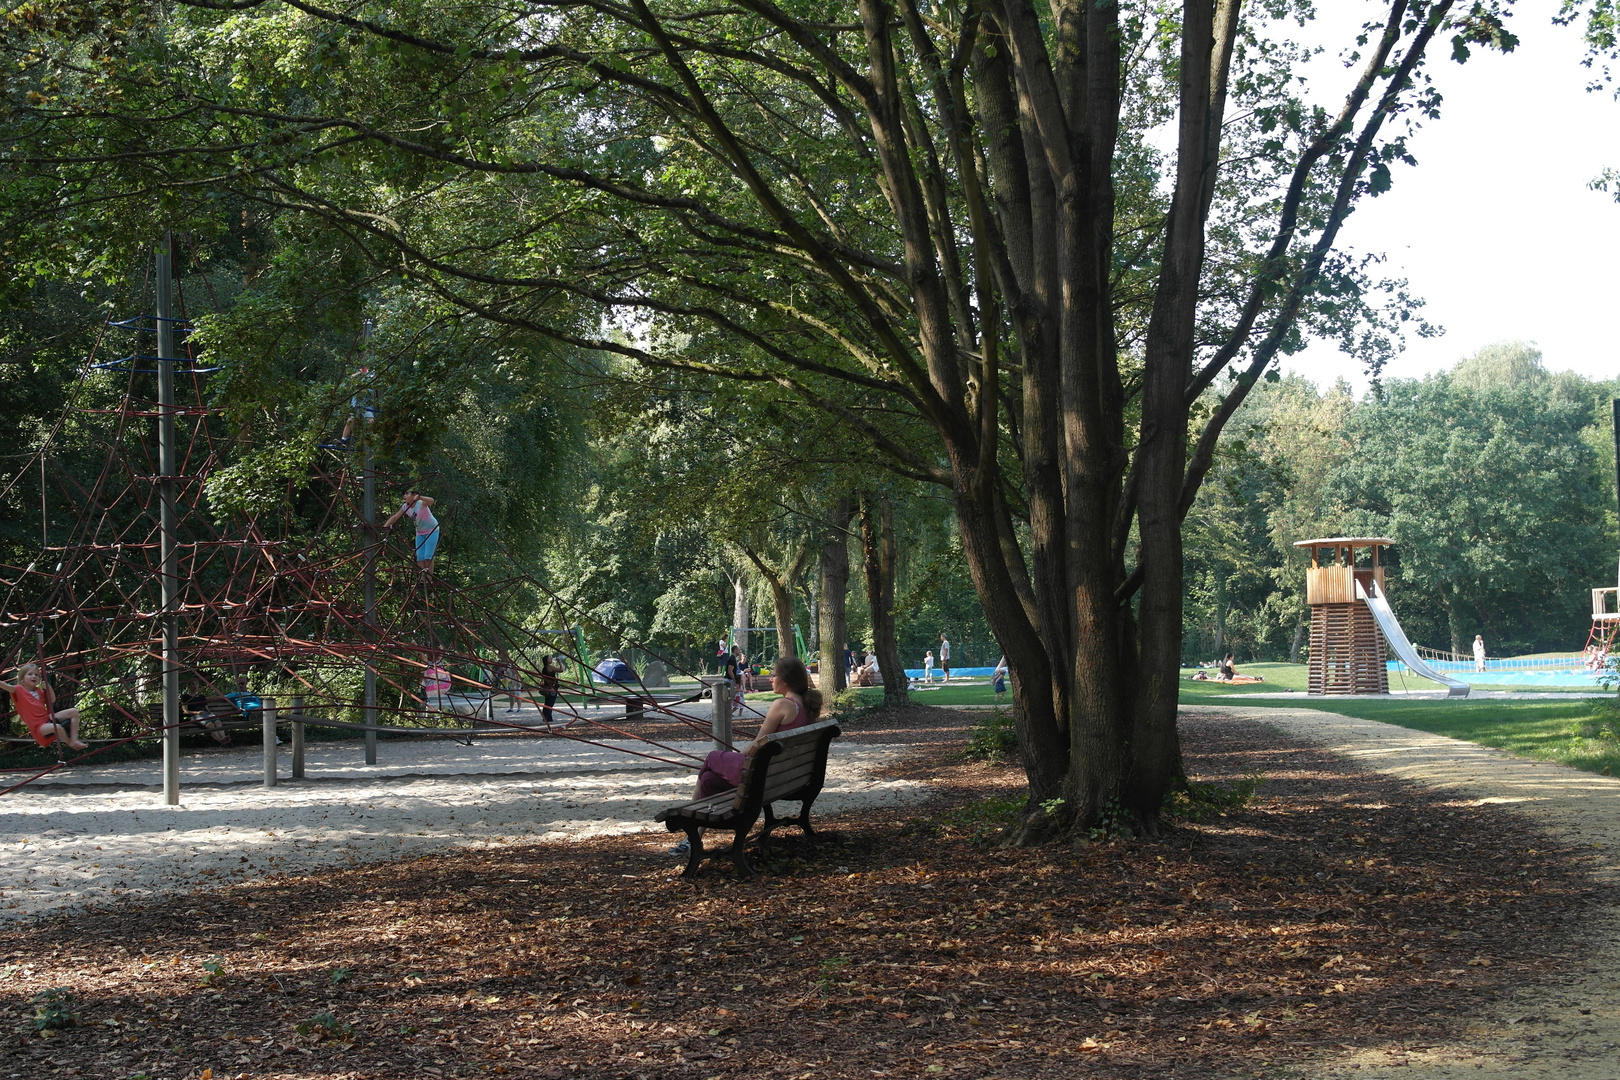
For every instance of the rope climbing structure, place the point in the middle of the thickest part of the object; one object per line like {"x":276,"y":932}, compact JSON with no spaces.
{"x":155,"y":601}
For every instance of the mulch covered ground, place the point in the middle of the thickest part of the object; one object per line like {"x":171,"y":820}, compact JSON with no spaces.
{"x":1335,"y":909}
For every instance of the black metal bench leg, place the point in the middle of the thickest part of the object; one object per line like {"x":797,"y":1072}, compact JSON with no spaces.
{"x":771,"y":822}
{"x":739,"y":853}
{"x":804,"y":822}
{"x":694,"y":856}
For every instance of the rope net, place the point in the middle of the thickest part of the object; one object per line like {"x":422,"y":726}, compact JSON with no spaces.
{"x":273,"y":601}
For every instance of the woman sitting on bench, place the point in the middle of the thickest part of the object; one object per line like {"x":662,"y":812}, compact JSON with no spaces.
{"x":799,"y":705}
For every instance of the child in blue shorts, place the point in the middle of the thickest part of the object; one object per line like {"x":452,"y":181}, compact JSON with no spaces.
{"x":420,"y":507}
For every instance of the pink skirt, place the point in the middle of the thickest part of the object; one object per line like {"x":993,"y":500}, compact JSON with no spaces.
{"x":722,"y":769}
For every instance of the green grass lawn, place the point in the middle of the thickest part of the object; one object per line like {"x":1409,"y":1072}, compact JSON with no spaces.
{"x":1567,"y":730}
{"x":952,"y":693}
{"x":1578,"y":732}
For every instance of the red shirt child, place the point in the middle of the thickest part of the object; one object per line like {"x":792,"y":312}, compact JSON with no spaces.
{"x":34,"y":701}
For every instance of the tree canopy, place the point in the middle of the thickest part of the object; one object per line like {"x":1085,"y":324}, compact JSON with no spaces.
{"x":1035,"y":257}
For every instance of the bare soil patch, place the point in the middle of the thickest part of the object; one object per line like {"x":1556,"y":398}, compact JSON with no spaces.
{"x":1337,"y":909}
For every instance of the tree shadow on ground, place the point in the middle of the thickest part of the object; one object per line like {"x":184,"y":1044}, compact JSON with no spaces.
{"x":1336,"y":908}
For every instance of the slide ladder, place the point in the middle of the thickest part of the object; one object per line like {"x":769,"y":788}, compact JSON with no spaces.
{"x":1385,"y":616}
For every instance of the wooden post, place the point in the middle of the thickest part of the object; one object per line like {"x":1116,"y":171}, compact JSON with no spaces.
{"x":296,"y":703}
{"x":720,"y":728}
{"x":267,"y":718}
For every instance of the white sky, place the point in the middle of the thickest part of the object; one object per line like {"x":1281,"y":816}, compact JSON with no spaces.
{"x":1495,"y":227}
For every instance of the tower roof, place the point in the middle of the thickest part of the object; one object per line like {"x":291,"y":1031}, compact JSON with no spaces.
{"x":1346,"y":541}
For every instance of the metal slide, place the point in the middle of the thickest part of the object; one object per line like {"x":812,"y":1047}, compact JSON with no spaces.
{"x":1403,"y":648}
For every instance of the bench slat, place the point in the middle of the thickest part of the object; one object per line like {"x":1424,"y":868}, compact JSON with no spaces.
{"x":778,"y":787}
{"x":790,"y":758}
{"x":710,"y":804}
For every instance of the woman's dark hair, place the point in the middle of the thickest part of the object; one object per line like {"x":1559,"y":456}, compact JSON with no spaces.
{"x":791,"y":670}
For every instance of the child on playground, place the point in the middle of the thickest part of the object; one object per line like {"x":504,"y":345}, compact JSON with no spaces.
{"x":34,"y":701}
{"x":549,"y":667}
{"x":507,"y":681}
{"x":436,"y":685}
{"x":420,"y":507}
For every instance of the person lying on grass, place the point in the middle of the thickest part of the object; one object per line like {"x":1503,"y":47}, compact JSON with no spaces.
{"x":35,"y":702}
{"x":798,"y":705}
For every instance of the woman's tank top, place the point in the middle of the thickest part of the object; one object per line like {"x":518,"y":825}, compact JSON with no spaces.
{"x":800,"y":718}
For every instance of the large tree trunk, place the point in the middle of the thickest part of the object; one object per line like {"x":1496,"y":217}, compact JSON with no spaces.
{"x":833,"y":575}
{"x":1454,"y":621}
{"x":740,"y":613}
{"x":813,"y":619}
{"x":782,"y":601}
{"x":782,"y":580}
{"x":878,"y":559}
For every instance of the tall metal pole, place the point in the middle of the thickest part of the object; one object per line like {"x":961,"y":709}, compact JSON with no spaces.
{"x":368,"y":509}
{"x":170,"y":552}
{"x":1616,"y":406}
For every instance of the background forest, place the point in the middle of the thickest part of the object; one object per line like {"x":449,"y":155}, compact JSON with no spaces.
{"x":1495,"y":479}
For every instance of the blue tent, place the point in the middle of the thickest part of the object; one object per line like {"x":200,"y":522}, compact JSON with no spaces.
{"x":612,"y":669}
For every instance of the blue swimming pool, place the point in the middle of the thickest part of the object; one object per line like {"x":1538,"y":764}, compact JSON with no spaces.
{"x":1542,"y":671}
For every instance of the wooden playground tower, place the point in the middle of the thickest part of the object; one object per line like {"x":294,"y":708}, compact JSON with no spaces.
{"x":1605,"y":620}
{"x":1347,"y":647}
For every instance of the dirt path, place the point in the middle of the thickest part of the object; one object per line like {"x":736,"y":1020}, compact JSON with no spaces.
{"x":1570,"y":1029}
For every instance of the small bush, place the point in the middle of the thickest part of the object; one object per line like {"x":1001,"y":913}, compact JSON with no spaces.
{"x":851,"y":701}
{"x":829,"y":970}
{"x":1604,"y":723}
{"x":1198,"y":801}
{"x":324,"y":1026}
{"x":994,"y":737}
{"x":213,"y":971}
{"x":987,"y":819}
{"x":54,"y":1010}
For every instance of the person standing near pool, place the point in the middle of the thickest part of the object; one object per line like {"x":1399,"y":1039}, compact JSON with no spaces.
{"x":1479,"y":652}
{"x":420,"y":507}
{"x":928,"y":667}
{"x":945,"y":656}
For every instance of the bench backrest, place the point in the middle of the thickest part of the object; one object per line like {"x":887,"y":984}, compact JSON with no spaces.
{"x":789,"y":762}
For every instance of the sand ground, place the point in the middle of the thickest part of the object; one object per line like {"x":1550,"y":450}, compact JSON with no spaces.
{"x":1570,"y":1029}
{"x":96,"y":834}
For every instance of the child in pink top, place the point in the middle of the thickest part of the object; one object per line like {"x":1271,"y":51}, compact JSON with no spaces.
{"x":436,"y":686}
{"x":420,"y":508}
{"x":34,"y":701}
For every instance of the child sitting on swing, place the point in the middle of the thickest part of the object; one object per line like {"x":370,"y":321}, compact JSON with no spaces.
{"x":35,"y":702}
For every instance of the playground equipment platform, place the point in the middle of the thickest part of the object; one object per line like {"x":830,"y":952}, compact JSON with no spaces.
{"x":1352,"y":624}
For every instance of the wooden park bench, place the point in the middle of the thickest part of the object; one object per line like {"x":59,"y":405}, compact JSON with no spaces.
{"x":790,"y":767}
